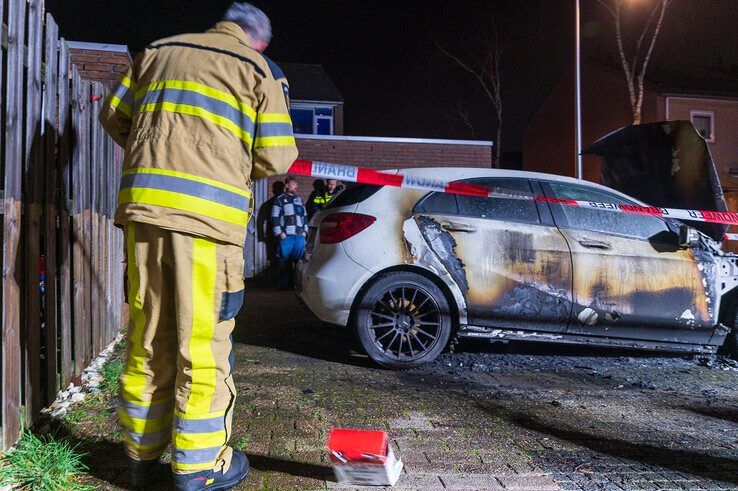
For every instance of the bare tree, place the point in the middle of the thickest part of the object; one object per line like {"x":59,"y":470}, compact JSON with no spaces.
{"x":486,"y":70}
{"x":635,"y":69}
{"x":461,"y":115}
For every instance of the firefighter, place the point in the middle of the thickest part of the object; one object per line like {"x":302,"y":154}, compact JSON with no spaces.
{"x":200,"y":117}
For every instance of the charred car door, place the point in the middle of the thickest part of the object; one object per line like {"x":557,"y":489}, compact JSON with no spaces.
{"x":631,"y":280}
{"x":507,"y":256}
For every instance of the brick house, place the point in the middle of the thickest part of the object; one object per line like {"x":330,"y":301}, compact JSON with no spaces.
{"x":103,"y":62}
{"x":317,"y":104}
{"x":548,"y":138}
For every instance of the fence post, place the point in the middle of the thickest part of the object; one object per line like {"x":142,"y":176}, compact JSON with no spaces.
{"x":77,"y":220}
{"x":50,"y":130}
{"x":33,"y":184}
{"x":12,"y":270}
{"x":65,"y":208}
{"x":94,"y":241}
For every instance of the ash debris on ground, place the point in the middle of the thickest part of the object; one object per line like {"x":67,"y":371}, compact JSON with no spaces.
{"x":608,"y":419}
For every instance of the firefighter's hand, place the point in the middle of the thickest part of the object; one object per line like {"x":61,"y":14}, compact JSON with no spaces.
{"x":282,"y":236}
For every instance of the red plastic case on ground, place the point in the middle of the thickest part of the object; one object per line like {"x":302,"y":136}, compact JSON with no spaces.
{"x":363,"y":458}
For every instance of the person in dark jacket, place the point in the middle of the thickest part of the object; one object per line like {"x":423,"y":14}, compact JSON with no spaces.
{"x":324,"y":192}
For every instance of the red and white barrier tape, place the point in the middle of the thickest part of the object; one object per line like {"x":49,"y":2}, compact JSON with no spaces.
{"x":350,"y":173}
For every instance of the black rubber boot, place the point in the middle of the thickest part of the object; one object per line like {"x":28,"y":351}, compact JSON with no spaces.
{"x":146,"y":473}
{"x":215,"y":481}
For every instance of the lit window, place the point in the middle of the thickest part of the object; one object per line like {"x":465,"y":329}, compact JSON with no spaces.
{"x":312,"y":120}
{"x":704,"y":123}
{"x":302,"y":121}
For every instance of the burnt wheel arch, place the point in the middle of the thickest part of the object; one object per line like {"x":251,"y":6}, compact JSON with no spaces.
{"x":403,"y":320}
{"x":417,"y":270}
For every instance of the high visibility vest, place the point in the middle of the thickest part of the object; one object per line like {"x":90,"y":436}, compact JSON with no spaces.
{"x":200,"y":117}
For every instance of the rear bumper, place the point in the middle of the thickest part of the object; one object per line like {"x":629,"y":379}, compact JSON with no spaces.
{"x":328,"y":283}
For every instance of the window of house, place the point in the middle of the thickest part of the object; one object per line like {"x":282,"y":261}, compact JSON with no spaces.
{"x":312,"y":120}
{"x":637,"y":226}
{"x":704,"y":123}
{"x":302,"y":121}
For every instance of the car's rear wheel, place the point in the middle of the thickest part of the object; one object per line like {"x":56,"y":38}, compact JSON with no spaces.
{"x":403,"y":320}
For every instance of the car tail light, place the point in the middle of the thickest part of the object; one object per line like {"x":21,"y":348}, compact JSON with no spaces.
{"x":338,"y":227}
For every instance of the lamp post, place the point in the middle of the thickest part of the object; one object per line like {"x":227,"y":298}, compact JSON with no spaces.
{"x":578,"y":97}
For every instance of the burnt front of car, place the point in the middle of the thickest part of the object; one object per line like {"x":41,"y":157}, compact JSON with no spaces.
{"x":666,"y":164}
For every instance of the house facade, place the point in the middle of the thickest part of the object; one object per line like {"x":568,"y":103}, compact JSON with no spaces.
{"x":549,"y":137}
{"x":317,"y":104}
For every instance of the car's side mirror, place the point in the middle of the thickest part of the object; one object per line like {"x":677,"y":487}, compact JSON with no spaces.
{"x":688,"y":237}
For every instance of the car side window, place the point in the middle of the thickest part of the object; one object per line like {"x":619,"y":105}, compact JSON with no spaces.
{"x":637,"y":226}
{"x":509,"y":210}
{"x":438,"y":203}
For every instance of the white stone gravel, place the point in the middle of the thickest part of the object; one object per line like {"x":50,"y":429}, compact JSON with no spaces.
{"x":91,"y":378}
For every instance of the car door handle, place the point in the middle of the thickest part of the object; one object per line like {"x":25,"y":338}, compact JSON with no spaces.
{"x":458,"y":227}
{"x":595,"y":244}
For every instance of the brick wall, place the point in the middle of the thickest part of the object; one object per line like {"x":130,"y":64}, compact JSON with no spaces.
{"x":379,"y":154}
{"x":102,"y":65}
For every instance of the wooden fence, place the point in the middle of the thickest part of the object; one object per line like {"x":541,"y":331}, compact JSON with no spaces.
{"x":59,"y":177}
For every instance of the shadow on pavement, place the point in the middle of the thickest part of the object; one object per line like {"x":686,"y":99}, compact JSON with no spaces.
{"x":106,"y":461}
{"x":298,"y":469}
{"x":680,"y":460}
{"x":274,"y":319}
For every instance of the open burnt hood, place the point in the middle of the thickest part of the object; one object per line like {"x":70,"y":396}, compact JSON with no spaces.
{"x":663,"y":164}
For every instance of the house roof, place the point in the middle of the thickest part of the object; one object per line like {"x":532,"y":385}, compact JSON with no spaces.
{"x":707,"y":81}
{"x":310,"y":83}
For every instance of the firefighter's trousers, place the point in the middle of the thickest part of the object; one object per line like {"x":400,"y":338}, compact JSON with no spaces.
{"x":177,"y":384}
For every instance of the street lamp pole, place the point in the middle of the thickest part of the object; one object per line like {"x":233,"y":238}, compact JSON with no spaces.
{"x":580,"y":168}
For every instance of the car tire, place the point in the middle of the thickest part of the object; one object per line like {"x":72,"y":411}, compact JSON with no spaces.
{"x":730,"y":346}
{"x":403,"y":320}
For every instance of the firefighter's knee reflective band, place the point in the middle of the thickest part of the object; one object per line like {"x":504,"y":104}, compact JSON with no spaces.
{"x":233,"y":293}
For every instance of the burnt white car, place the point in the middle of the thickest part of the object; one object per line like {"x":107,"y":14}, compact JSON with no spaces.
{"x":409,"y":270}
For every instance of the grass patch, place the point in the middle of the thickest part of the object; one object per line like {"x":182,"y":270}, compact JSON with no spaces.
{"x":43,"y":463}
{"x":243,"y":442}
{"x":110,"y":373}
{"x":76,"y":416}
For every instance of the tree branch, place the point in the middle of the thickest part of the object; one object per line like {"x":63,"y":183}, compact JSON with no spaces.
{"x":643,"y":35}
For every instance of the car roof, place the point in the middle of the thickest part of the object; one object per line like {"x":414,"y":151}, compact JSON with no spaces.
{"x":459,"y":173}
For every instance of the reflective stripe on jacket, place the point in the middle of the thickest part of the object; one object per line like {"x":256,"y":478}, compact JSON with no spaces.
{"x":200,"y":117}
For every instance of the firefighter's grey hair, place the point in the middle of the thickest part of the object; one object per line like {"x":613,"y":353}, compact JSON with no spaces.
{"x":251,"y":19}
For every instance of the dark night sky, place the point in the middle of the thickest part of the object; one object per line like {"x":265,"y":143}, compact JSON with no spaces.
{"x":384,"y":57}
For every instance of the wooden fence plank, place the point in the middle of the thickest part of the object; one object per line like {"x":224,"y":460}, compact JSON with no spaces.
{"x":76,"y":226}
{"x":12,"y":269}
{"x":94,"y":237}
{"x":51,"y":132}
{"x":86,"y":186}
{"x":64,"y":190}
{"x":33,"y":184}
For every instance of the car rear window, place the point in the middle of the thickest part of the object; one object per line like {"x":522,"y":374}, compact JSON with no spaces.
{"x":353,"y":195}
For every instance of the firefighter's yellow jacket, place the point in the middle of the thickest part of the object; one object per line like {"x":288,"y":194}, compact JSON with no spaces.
{"x":200,"y":117}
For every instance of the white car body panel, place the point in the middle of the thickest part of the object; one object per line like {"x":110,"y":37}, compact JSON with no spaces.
{"x":333,"y":276}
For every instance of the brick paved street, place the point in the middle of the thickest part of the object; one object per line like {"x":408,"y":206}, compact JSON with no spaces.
{"x":484,"y":418}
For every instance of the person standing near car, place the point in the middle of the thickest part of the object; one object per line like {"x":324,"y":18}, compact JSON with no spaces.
{"x":324,"y":192}
{"x":290,"y":226}
{"x":200,"y":116}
